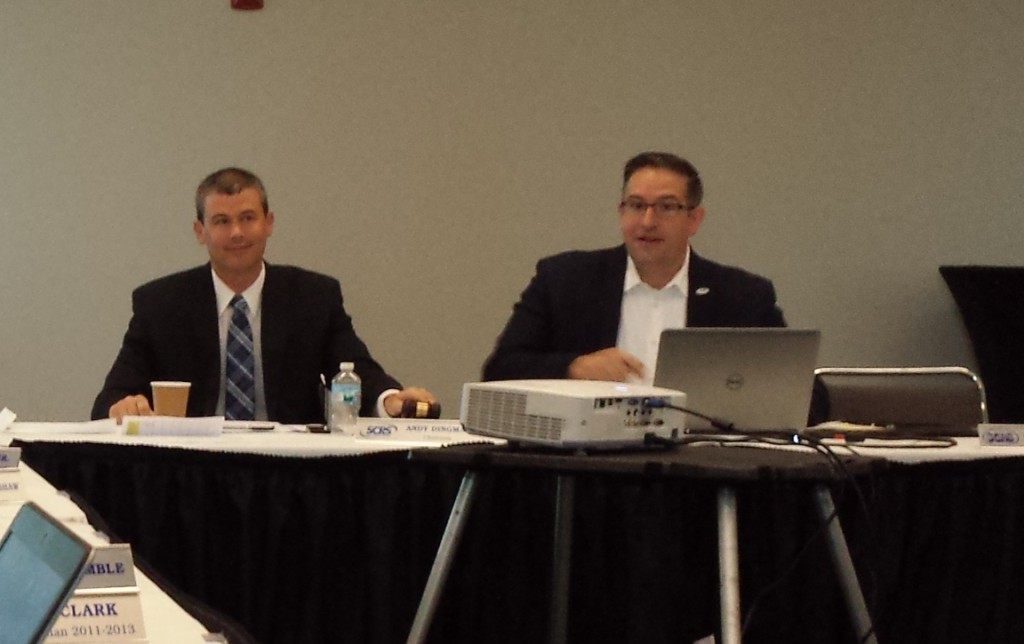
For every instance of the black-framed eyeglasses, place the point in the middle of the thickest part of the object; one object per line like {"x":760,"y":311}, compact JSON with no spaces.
{"x":663,"y":209}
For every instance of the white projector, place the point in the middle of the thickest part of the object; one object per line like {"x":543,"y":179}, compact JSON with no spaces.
{"x":578,"y":414}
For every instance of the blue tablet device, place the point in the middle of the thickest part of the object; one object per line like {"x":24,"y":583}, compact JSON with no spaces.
{"x":41,"y":562}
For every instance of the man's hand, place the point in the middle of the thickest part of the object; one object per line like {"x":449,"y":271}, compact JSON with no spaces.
{"x":393,"y":403}
{"x":612,"y":364}
{"x":130,"y":406}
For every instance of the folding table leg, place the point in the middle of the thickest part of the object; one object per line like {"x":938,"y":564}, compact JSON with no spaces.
{"x":442,"y":561}
{"x":562,"y":559}
{"x":855,"y":604}
{"x":728,"y":566}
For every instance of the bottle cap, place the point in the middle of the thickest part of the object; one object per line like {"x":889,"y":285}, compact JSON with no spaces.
{"x":347,"y":366}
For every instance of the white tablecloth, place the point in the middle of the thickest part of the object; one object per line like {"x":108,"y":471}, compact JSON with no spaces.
{"x":284,"y":440}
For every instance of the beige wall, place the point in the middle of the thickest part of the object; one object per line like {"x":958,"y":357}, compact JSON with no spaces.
{"x":427,"y":154}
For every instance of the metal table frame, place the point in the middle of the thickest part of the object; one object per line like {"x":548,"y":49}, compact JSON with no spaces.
{"x":728,"y":549}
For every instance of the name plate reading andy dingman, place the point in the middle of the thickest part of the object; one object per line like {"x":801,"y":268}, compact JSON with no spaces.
{"x":406,"y":429}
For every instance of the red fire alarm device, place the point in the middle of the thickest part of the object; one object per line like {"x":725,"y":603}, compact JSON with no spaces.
{"x":246,"y":4}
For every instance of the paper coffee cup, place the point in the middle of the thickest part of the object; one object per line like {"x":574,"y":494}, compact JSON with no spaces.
{"x":170,"y":398}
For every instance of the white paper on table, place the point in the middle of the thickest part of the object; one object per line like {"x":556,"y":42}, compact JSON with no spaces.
{"x":103,"y":426}
{"x":172,"y":426}
{"x":6,"y":418}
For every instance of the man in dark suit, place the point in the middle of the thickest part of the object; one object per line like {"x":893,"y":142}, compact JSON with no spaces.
{"x":598,"y":315}
{"x":299,"y":327}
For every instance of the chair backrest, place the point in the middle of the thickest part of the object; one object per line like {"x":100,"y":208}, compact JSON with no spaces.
{"x":991,"y":303}
{"x":928,"y":400}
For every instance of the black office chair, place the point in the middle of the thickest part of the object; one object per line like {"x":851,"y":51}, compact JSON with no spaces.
{"x":935,"y":401}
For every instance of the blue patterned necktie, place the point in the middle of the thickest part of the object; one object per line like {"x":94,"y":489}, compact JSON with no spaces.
{"x":239,"y":384}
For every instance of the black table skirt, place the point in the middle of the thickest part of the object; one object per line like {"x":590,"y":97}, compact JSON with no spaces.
{"x":338,"y":549}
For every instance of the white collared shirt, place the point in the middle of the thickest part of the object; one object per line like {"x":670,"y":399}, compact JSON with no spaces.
{"x":647,"y":311}
{"x":254,"y":298}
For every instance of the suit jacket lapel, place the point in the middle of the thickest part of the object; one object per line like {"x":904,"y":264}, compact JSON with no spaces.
{"x":609,"y":295}
{"x":701,"y":283}
{"x":274,"y":328}
{"x":207,"y":338}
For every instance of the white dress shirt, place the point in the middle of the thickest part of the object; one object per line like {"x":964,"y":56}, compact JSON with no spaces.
{"x":254,"y":298}
{"x":647,"y":311}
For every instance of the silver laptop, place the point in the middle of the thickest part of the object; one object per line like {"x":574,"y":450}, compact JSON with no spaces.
{"x":41,"y":562}
{"x":748,"y":379}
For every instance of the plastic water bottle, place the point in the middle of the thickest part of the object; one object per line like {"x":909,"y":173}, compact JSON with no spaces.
{"x":346,"y":398}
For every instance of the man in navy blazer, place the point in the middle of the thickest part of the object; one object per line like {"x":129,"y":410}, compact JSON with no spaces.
{"x":598,"y":315}
{"x":301,"y":329}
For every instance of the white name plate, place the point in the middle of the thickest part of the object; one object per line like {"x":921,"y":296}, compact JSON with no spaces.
{"x":9,"y":457}
{"x":407,"y":429}
{"x":11,"y":485}
{"x":1000,"y":435}
{"x":113,"y":615}
{"x":111,"y":566}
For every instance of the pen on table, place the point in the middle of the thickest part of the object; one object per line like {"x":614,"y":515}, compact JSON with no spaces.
{"x":251,"y":425}
{"x":259,"y":426}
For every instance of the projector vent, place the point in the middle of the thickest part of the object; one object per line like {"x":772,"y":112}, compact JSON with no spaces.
{"x":503,"y":413}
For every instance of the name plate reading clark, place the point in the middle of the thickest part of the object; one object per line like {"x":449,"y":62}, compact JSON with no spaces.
{"x":110,"y":566}
{"x":11,"y":485}
{"x":100,"y":615}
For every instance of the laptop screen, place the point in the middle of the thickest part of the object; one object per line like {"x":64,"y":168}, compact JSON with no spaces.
{"x":41,"y":562}
{"x":754,"y":379}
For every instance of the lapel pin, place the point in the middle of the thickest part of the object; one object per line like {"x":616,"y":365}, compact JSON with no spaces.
{"x":703,"y":290}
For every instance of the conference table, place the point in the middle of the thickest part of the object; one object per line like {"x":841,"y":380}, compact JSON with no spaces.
{"x":166,"y":622}
{"x":308,"y":538}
